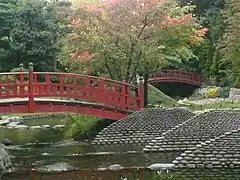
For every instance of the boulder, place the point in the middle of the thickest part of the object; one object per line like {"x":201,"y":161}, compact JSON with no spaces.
{"x":161,"y":166}
{"x":62,"y":166}
{"x":4,"y":117}
{"x":21,"y":127}
{"x":115,"y":167}
{"x":46,"y":126}
{"x":58,"y":127}
{"x":5,"y":161}
{"x":13,"y":125}
{"x":16,"y":119}
{"x":35,"y":127}
{"x":7,"y":142}
{"x":4,"y":122}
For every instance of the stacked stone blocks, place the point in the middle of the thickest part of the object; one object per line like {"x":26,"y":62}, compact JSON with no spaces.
{"x":203,"y":127}
{"x":142,"y":126}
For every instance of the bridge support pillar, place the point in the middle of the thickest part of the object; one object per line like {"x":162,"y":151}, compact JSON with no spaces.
{"x":145,"y":89}
{"x":141,"y":92}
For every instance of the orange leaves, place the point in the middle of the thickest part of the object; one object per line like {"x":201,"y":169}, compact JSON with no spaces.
{"x":202,"y":32}
{"x":84,"y":55}
{"x":195,"y":35}
{"x":113,"y":5}
{"x":75,"y":22}
{"x":198,"y":35}
{"x":177,"y":20}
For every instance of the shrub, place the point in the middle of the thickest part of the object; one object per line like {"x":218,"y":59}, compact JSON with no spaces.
{"x":224,"y":92}
{"x":80,"y":127}
{"x":212,"y":93}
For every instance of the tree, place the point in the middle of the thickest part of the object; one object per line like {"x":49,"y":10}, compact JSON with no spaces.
{"x":32,"y":32}
{"x":123,"y":38}
{"x":7,"y":8}
{"x":230,"y":46}
{"x":210,"y":16}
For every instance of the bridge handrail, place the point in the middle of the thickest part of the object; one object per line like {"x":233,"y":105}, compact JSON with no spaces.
{"x":84,"y":76}
{"x":68,"y":85}
{"x":178,"y":75}
{"x":13,"y":73}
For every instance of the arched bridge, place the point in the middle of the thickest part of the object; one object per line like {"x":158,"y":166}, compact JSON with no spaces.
{"x":35,"y":92}
{"x":176,"y":76}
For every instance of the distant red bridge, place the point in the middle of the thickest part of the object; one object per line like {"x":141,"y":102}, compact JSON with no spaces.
{"x":35,"y":92}
{"x":177,"y":76}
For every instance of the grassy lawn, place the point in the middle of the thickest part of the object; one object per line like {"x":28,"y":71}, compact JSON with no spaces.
{"x":157,"y":97}
{"x":216,"y":105}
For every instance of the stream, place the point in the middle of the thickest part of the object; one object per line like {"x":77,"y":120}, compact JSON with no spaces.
{"x":48,"y":150}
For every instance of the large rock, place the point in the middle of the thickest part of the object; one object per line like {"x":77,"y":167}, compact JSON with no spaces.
{"x":13,"y":118}
{"x":234,"y":94}
{"x":35,"y":128}
{"x":115,"y":167}
{"x":5,"y":161}
{"x":161,"y":166}
{"x":13,"y":125}
{"x":7,"y":142}
{"x":21,"y":126}
{"x":58,"y":127}
{"x":4,"y":122}
{"x":62,"y":166}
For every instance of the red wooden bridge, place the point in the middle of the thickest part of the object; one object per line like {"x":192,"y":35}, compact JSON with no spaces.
{"x":35,"y":92}
{"x":177,"y":76}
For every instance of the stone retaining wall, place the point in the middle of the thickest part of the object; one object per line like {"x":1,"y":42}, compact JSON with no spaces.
{"x":219,"y":156}
{"x":234,"y":94}
{"x":207,"y":174}
{"x":201,"y":128}
{"x":142,"y":126}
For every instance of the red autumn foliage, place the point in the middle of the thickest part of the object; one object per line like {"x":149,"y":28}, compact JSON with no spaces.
{"x":177,"y":20}
{"x":139,"y":6}
{"x":84,"y":55}
{"x":202,"y":32}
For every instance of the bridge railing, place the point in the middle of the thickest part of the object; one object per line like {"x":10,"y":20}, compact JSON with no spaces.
{"x":176,"y":75}
{"x":74,"y":86}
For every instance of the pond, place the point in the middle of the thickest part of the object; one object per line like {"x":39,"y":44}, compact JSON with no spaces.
{"x":46,"y":150}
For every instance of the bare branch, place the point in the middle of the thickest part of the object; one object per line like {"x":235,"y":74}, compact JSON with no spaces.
{"x":143,"y":27}
{"x":130,"y":59}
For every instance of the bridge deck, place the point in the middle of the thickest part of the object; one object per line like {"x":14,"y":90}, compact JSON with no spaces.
{"x":20,"y":105}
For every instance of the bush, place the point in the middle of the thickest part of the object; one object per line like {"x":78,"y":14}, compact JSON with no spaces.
{"x":224,"y":92}
{"x":81,"y":127}
{"x":212,"y":93}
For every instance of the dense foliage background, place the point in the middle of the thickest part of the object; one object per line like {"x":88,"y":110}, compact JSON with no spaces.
{"x":105,"y":40}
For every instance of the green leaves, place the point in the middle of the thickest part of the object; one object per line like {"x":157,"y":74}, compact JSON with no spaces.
{"x":230,"y":44}
{"x":32,"y":30}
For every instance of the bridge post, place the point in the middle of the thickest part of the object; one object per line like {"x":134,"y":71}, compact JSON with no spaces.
{"x":141,"y":92}
{"x":21,"y":79}
{"x":31,"y":103}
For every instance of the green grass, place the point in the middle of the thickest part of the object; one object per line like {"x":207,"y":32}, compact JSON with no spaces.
{"x":157,"y":97}
{"x":216,"y":105}
{"x":82,"y":127}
